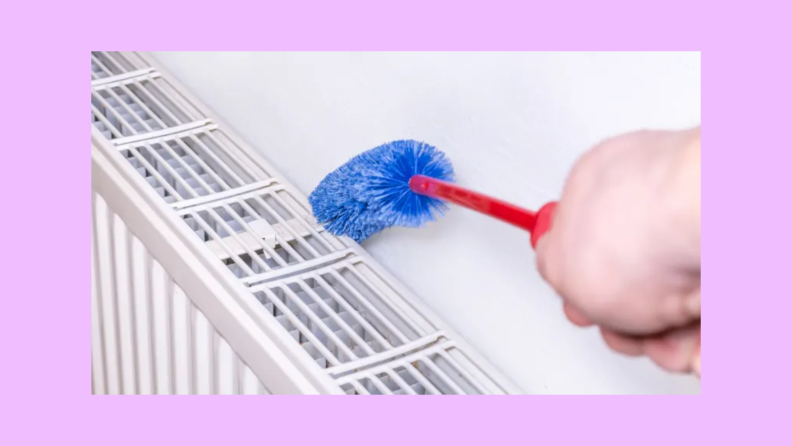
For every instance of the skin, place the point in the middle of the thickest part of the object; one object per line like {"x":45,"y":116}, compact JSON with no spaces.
{"x":624,"y":250}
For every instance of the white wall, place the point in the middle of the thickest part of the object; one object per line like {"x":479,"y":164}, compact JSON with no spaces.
{"x":513,"y":124}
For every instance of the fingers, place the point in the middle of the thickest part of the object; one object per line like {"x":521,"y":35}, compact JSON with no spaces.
{"x":678,"y":351}
{"x":576,"y":316}
{"x":626,"y":345}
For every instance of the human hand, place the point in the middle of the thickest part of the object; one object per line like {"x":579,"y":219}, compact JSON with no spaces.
{"x":624,"y":249}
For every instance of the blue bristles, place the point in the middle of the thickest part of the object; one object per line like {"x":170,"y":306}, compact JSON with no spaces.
{"x":371,"y":191}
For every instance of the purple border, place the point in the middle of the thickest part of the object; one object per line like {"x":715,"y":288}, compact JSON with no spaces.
{"x":46,"y":329}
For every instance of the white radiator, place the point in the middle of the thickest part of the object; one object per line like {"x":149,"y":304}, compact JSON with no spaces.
{"x":210,"y":275}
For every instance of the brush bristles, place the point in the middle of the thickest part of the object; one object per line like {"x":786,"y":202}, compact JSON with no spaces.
{"x":371,"y":191}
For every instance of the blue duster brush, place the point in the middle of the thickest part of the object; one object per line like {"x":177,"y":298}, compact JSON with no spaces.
{"x":405,"y":183}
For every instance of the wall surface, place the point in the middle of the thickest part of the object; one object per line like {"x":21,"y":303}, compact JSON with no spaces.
{"x":513,"y":124}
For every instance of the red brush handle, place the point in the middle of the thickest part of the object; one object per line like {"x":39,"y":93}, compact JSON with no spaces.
{"x":537,"y":223}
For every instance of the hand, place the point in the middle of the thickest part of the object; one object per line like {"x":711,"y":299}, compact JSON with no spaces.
{"x":624,"y":249}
